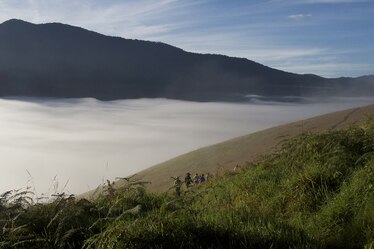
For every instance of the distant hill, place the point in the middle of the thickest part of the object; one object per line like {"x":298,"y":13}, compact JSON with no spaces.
{"x":249,"y":148}
{"x":58,"y":60}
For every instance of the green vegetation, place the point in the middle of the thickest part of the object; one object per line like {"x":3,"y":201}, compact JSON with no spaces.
{"x":316,"y":192}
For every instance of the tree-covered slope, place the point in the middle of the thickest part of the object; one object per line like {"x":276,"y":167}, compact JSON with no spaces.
{"x":58,"y":60}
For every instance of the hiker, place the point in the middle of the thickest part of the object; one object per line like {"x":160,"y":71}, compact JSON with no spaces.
{"x":177,"y":185}
{"x":188,"y":180}
{"x":196,"y":179}
{"x":237,"y":168}
{"x":202,"y":178}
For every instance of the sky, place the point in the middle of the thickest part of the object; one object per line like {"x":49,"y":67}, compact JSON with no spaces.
{"x":330,"y":38}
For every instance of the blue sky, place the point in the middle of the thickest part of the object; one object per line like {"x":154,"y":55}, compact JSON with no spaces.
{"x":325,"y":37}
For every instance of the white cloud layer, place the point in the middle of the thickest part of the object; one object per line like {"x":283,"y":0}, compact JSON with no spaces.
{"x":299,"y":16}
{"x":84,"y":141}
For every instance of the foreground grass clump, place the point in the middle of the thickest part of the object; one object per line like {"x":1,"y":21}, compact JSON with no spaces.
{"x":321,"y":184}
{"x":317,"y":192}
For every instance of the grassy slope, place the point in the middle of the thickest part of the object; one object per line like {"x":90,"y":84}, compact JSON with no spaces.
{"x":317,"y":191}
{"x":247,"y":148}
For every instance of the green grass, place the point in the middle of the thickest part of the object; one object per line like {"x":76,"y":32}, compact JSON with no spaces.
{"x":316,"y":192}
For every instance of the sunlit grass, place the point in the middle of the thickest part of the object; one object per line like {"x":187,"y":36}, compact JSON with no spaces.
{"x":317,"y":192}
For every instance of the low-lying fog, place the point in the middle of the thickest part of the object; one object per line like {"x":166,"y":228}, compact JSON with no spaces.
{"x":85,"y":141}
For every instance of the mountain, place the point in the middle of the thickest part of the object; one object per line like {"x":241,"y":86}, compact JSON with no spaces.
{"x":58,"y":60}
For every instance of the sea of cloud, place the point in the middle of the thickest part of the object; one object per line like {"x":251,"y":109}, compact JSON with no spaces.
{"x":74,"y":145}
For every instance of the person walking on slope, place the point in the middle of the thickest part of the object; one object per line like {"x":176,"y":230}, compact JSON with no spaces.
{"x":202,"y":178}
{"x":177,"y":185}
{"x":188,"y":180}
{"x":196,"y":179}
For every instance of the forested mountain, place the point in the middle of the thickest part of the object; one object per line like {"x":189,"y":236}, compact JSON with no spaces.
{"x":58,"y":60}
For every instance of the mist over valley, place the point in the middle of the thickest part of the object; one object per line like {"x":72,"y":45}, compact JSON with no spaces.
{"x":83,"y":142}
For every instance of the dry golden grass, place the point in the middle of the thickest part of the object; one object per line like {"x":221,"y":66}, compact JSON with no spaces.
{"x":223,"y":157}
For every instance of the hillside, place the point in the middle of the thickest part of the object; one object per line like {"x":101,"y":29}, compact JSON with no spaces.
{"x":316,"y":192}
{"x":58,"y":60}
{"x":249,"y":148}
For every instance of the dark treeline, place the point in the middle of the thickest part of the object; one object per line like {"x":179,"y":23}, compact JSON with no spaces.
{"x":57,"y":60}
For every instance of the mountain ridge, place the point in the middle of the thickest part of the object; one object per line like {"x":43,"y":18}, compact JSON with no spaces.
{"x":60,"y":60}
